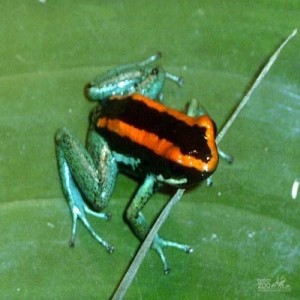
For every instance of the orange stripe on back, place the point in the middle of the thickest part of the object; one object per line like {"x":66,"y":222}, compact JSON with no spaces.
{"x":160,"y":146}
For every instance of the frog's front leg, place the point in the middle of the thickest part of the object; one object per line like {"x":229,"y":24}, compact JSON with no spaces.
{"x":140,"y":226}
{"x":145,"y":78}
{"x":86,"y":174}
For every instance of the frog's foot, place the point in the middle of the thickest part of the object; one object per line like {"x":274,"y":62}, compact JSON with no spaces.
{"x":159,"y":244}
{"x":79,"y":212}
{"x":227,"y":157}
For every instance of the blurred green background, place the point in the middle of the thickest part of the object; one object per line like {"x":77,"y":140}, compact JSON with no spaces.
{"x":243,"y":228}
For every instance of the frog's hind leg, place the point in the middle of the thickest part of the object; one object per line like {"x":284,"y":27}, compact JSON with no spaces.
{"x":140,"y":226}
{"x":82,"y":180}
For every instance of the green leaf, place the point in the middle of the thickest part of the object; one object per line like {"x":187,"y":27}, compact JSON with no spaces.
{"x":243,"y":228}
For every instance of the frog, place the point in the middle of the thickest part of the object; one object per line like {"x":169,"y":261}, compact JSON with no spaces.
{"x":132,"y":131}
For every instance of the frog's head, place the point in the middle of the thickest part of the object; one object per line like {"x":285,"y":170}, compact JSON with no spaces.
{"x":198,"y":157}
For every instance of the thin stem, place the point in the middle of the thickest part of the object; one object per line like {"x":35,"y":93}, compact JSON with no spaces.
{"x":258,"y":80}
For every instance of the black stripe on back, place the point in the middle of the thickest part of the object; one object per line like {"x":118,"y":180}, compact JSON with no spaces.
{"x":150,"y":161}
{"x":190,"y":139}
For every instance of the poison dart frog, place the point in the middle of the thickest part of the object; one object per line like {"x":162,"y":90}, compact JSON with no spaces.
{"x":132,"y":131}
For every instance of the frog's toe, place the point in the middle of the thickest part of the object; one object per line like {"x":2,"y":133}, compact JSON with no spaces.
{"x":71,"y":243}
{"x":177,"y":79}
{"x":209,"y":181}
{"x":110,"y":249}
{"x":227,"y":157}
{"x":105,"y":244}
{"x":100,"y":215}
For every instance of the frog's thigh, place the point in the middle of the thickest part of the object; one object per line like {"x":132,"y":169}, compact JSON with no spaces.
{"x":84,"y":170}
{"x":105,"y":164}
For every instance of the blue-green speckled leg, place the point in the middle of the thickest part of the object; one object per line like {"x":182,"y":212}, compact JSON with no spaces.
{"x":84,"y":176}
{"x":140,"y":226}
{"x":145,"y":78}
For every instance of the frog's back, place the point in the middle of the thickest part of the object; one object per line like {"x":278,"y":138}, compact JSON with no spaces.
{"x":148,"y":137}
